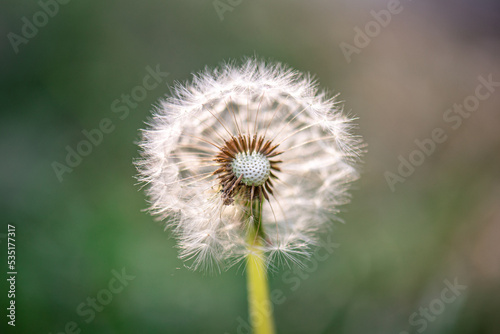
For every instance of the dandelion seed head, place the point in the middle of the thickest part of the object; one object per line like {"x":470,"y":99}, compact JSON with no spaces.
{"x":253,"y":133}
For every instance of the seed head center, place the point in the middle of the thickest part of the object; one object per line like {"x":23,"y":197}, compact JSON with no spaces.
{"x":254,"y":168}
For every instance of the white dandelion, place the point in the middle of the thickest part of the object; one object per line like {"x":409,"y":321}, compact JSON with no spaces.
{"x":248,"y":148}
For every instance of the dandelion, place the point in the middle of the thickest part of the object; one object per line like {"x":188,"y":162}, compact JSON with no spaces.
{"x":249,"y":161}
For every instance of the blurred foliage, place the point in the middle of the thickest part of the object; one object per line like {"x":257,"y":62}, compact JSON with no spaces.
{"x":396,"y":248}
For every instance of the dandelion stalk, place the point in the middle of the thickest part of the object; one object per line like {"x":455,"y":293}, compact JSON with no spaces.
{"x":248,"y":162}
{"x":261,"y":135}
{"x":259,"y":303}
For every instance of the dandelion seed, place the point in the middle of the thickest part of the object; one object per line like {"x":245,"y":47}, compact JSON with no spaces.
{"x":244,"y":141}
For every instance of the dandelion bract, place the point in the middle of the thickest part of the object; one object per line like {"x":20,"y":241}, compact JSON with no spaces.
{"x":238,"y":139}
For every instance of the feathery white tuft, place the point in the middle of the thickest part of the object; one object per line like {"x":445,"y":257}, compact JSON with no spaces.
{"x":268,"y":100}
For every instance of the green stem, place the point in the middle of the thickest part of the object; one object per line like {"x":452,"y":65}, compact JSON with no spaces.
{"x":259,"y":303}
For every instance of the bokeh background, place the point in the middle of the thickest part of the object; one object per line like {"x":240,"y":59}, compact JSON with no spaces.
{"x":397,"y":249}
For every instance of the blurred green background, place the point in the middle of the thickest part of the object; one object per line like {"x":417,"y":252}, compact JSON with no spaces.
{"x":397,"y":248}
